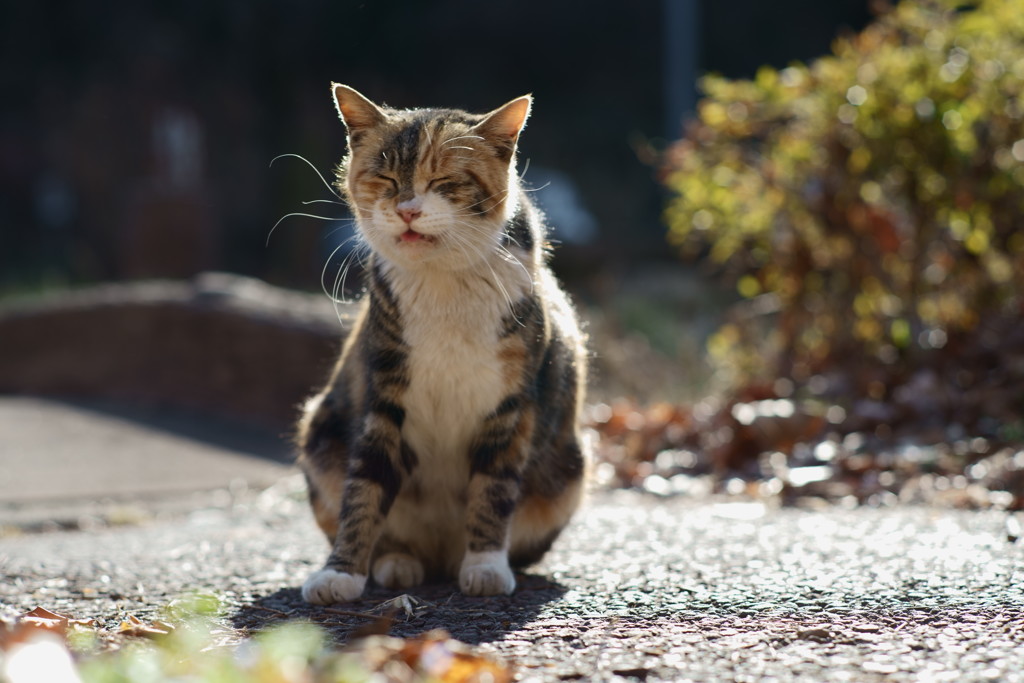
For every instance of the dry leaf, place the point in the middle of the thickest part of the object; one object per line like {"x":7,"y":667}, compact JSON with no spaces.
{"x":438,"y":656}
{"x":433,"y":655}
{"x":380,"y":626}
{"x":25,"y":626}
{"x":134,"y":626}
{"x":46,"y":620}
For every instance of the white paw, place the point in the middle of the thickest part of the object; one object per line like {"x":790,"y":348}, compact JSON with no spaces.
{"x":398,"y":570}
{"x":486,"y":573}
{"x":327,"y":586}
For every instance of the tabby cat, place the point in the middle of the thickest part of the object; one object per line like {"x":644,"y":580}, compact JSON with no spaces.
{"x":445,"y":443}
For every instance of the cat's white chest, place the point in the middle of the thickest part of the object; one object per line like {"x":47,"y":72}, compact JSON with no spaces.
{"x":455,"y":374}
{"x":451,"y":323}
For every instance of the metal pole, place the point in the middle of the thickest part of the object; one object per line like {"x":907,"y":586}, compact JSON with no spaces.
{"x":682,"y":57}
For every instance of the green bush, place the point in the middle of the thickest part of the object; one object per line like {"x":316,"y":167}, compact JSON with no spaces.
{"x":872,"y":202}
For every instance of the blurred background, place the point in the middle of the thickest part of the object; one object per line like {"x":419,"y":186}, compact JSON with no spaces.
{"x":796,"y":237}
{"x":136,"y":138}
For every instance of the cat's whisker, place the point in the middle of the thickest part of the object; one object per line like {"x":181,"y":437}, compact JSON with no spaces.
{"x":361,"y":209}
{"x":510,"y":258}
{"x":526,"y":271}
{"x":323,"y":285}
{"x":343,"y":223}
{"x":461,"y":137}
{"x":334,"y":251}
{"x":465,"y":247}
{"x":458,"y":217}
{"x":482,"y":258}
{"x":315,"y":170}
{"x":526,"y":167}
{"x":499,"y":192}
{"x":504,"y":291}
{"x":502,"y":252}
{"x":355,"y":256}
{"x":299,"y":213}
{"x":322,"y":201}
{"x":522,"y":176}
{"x":536,"y":189}
{"x":339,"y":281}
{"x":481,"y":230}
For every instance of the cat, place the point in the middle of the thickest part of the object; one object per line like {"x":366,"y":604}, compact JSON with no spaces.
{"x":446,"y":442}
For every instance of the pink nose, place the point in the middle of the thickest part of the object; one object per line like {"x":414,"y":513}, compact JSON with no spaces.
{"x":409,"y":215}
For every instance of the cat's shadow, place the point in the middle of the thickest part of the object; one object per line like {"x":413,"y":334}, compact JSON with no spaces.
{"x":433,"y":606}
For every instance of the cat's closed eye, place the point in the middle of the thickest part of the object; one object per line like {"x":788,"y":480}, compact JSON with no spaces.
{"x":437,"y":181}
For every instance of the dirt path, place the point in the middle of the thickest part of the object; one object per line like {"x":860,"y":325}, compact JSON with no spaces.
{"x":639,"y":587}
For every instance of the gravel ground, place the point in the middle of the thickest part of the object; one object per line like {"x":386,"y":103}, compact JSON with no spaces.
{"x":639,"y":587}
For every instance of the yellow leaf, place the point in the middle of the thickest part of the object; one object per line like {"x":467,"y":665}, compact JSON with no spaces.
{"x":748,"y":287}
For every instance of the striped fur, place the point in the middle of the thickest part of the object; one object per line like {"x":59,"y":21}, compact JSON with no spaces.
{"x":445,"y":443}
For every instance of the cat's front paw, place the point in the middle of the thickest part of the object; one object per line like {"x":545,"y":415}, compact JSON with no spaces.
{"x":486,"y":573}
{"x":328,"y":586}
{"x":398,"y":570}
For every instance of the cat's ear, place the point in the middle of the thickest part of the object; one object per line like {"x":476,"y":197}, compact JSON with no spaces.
{"x":504,"y":124}
{"x":355,"y":110}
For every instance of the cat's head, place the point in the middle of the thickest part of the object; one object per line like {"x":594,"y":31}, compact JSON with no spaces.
{"x":430,"y":187}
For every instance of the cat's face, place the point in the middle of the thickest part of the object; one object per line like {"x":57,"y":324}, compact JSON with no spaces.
{"x":430,"y":187}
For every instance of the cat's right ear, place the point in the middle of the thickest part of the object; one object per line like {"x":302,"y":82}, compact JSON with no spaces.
{"x":355,"y":110}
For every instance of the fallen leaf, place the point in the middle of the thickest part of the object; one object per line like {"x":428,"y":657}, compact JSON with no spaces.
{"x":46,"y":620}
{"x":135,"y":627}
{"x":24,"y":626}
{"x":433,"y":655}
{"x":380,"y":626}
{"x":437,"y":655}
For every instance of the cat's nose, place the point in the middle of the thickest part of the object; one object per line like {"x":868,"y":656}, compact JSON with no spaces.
{"x":408,"y":214}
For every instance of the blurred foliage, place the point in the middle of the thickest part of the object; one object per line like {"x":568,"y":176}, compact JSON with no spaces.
{"x":46,"y":646}
{"x":867,"y":205}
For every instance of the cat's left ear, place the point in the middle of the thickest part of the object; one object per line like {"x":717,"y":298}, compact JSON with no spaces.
{"x":503,"y":125}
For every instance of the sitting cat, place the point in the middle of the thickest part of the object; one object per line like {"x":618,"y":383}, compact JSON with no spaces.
{"x":445,"y":443}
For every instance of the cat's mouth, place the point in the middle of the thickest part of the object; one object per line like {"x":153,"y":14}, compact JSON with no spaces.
{"x":410,"y":236}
